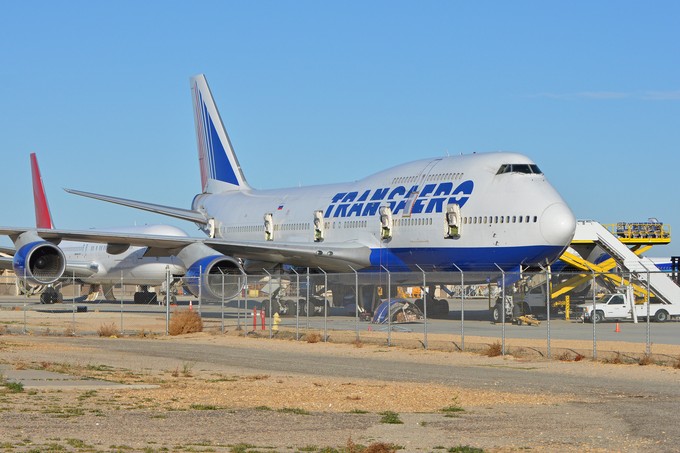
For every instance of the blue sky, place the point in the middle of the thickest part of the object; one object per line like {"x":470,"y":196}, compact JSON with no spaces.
{"x":315,"y":92}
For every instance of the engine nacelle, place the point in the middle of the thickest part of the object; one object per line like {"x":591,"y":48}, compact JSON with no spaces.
{"x":39,"y":263}
{"x":209,"y":275}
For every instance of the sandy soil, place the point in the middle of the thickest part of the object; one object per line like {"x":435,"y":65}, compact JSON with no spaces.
{"x":200,"y":406}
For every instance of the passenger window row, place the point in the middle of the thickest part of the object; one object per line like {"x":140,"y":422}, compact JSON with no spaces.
{"x":499,"y":219}
{"x":434,"y":177}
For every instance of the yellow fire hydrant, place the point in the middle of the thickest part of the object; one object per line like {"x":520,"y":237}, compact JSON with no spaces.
{"x":277,"y":321}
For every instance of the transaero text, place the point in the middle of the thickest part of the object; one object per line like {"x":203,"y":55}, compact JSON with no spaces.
{"x":433,"y":198}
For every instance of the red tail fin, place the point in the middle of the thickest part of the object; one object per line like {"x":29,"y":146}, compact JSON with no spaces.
{"x":43,"y":218}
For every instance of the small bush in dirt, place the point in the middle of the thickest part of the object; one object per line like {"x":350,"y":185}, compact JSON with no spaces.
{"x":464,"y":449}
{"x":358,"y":343}
{"x":494,"y":350}
{"x":646,"y":359}
{"x":69,"y":332}
{"x":313,"y":337}
{"x":564,"y":357}
{"x":616,"y":360}
{"x":185,"y":321}
{"x":380,"y":447}
{"x":108,"y":330}
{"x":677,"y":364}
{"x":390,"y":417}
{"x":14,"y":387}
{"x":351,"y":447}
{"x":454,"y":408}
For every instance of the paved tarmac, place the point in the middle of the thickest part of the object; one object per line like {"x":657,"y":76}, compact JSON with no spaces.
{"x":476,"y":321}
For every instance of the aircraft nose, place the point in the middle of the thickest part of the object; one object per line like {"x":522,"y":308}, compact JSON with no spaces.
{"x":558,"y":224}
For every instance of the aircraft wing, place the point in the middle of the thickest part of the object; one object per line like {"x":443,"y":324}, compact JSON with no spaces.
{"x":178,"y":213}
{"x":5,"y":263}
{"x":328,"y":256}
{"x":7,"y":250}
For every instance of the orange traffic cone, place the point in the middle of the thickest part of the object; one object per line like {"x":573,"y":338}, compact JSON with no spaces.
{"x":618,"y":329}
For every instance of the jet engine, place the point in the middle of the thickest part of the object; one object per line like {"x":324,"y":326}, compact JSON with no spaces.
{"x":211,"y":274}
{"x":39,"y":263}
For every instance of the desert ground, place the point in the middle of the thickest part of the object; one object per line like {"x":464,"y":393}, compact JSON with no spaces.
{"x":214,"y":391}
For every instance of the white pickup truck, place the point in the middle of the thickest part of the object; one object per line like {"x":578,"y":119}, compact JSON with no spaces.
{"x":621,"y":306}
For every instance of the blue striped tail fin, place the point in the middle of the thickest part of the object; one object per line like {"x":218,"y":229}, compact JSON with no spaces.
{"x":220,"y":170}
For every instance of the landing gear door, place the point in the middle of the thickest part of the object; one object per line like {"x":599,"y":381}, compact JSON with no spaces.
{"x":453,"y":221}
{"x":385,"y":223}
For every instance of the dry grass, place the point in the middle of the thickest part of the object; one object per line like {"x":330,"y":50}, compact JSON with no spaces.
{"x":564,"y":357}
{"x":494,"y":350}
{"x":646,"y":359}
{"x":69,"y":332}
{"x":616,"y":360}
{"x":313,"y":337}
{"x":108,"y":330}
{"x":358,"y":343}
{"x":185,"y":321}
{"x":380,"y":447}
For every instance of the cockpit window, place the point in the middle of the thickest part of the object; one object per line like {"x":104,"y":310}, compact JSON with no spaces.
{"x":520,"y":168}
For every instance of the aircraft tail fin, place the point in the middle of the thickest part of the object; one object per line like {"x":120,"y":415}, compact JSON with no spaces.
{"x":43,"y":217}
{"x":220,"y":170}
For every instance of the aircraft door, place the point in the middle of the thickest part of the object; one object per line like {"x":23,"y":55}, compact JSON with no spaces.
{"x":318,"y":226}
{"x":413,"y":196}
{"x":269,"y":227}
{"x":453,"y":221}
{"x":385,"y":223}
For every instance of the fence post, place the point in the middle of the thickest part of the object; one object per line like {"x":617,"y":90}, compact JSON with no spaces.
{"x":592,"y":318}
{"x":356,"y":303}
{"x":307,"y":309}
{"x":548,"y":277}
{"x":424,"y":307}
{"x":167,"y":300}
{"x":389,"y":306}
{"x":648,"y":348}
{"x":245,"y":308}
{"x":502,"y":308}
{"x":222,"y":304}
{"x":297,"y":304}
{"x":73,"y":304}
{"x":122,"y":291}
{"x":462,"y":307}
{"x":325,"y":305}
{"x":200,"y":288}
{"x":271,"y":334}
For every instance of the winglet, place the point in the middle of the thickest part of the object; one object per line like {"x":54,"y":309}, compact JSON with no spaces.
{"x":220,"y":170}
{"x":43,"y":218}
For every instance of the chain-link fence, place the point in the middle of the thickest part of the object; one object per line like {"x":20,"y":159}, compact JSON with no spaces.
{"x":551,"y":313}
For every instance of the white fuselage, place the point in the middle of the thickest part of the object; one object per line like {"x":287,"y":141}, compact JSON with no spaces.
{"x":129,"y":266}
{"x":506,"y":219}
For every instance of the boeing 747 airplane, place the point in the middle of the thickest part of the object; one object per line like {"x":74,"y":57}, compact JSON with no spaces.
{"x":475,"y":212}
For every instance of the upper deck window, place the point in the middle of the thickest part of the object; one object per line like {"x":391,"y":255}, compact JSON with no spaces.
{"x":520,"y":168}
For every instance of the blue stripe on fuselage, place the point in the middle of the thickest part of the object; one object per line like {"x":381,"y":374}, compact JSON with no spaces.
{"x":467,"y":258}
